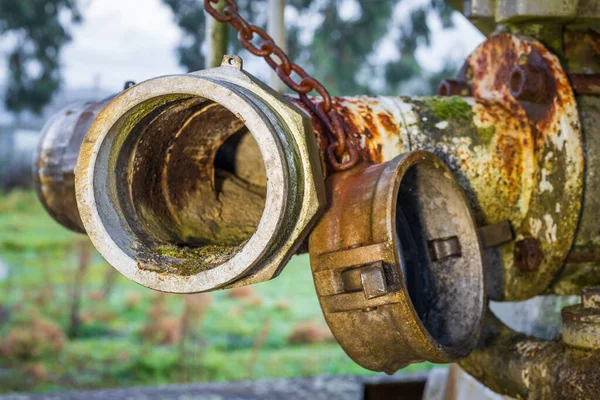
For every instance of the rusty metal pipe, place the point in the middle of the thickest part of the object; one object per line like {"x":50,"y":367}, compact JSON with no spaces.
{"x":195,"y":182}
{"x":517,"y":160}
{"x":524,"y":367}
{"x":515,"y":166}
{"x":210,"y":180}
{"x":506,"y":176}
{"x":55,"y":159}
{"x":490,"y":148}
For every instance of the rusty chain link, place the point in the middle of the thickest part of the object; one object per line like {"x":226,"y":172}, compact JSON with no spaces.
{"x":339,"y":145}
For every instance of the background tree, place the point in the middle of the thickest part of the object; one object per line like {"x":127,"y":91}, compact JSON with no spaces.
{"x":36,"y":31}
{"x":337,"y":48}
{"x":189,"y":15}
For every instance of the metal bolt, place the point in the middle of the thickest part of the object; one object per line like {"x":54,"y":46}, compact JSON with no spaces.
{"x":453,"y":87}
{"x":370,"y":279}
{"x":529,"y":83}
{"x":495,"y":234}
{"x":528,"y":254}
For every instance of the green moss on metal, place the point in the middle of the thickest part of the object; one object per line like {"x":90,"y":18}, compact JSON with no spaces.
{"x":458,"y":113}
{"x":197,"y":253}
{"x":186,"y":260}
{"x":449,"y":108}
{"x":196,"y":259}
{"x":487,"y":133}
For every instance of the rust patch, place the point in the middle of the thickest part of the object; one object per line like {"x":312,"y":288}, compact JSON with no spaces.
{"x":375,"y":131}
{"x":509,"y":156}
{"x":519,"y":157}
{"x":386,"y":121}
{"x":362,"y":287}
{"x":454,"y":87}
{"x":528,"y":255}
{"x":503,"y":63}
{"x":369,"y":125}
{"x":584,"y":84}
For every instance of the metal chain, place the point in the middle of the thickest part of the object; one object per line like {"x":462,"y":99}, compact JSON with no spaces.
{"x":339,"y":144}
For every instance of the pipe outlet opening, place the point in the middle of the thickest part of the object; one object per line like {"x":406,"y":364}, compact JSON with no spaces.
{"x":195,"y":184}
{"x":440,"y":256}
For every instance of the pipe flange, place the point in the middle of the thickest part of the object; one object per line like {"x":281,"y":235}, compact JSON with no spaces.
{"x":131,"y":205}
{"x":523,"y":76}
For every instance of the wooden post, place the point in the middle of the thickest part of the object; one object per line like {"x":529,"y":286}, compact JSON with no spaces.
{"x":217,"y":38}
{"x":276,"y":28}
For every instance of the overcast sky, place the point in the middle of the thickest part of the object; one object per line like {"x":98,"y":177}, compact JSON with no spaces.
{"x":123,"y":40}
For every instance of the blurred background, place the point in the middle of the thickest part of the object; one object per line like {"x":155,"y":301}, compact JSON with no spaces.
{"x":67,"y":319}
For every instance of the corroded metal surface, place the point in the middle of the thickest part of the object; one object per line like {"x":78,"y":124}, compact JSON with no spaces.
{"x":582,"y":50}
{"x":386,"y":295}
{"x":185,"y":185}
{"x":212,"y":148}
{"x":496,"y":234}
{"x":165,"y":190}
{"x":550,"y":210}
{"x":54,"y":162}
{"x":519,"y":160}
{"x":454,"y":87}
{"x":581,"y":322}
{"x":197,"y":182}
{"x":583,"y":263}
{"x":523,"y":367}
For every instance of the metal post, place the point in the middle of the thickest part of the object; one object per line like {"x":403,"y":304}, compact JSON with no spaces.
{"x":217,"y":38}
{"x":276,"y":28}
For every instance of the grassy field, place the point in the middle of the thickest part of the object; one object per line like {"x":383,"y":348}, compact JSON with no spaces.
{"x":121,"y":334}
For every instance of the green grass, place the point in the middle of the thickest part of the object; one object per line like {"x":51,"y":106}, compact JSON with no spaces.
{"x":230,"y":342}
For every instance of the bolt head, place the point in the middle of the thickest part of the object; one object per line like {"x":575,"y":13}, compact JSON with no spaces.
{"x":529,"y":83}
{"x":528,"y":254}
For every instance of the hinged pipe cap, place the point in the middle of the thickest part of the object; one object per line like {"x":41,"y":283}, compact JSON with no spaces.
{"x":397,"y":264}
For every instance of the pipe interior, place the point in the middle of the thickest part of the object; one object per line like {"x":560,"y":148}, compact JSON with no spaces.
{"x":445,"y":293}
{"x":195,"y":184}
